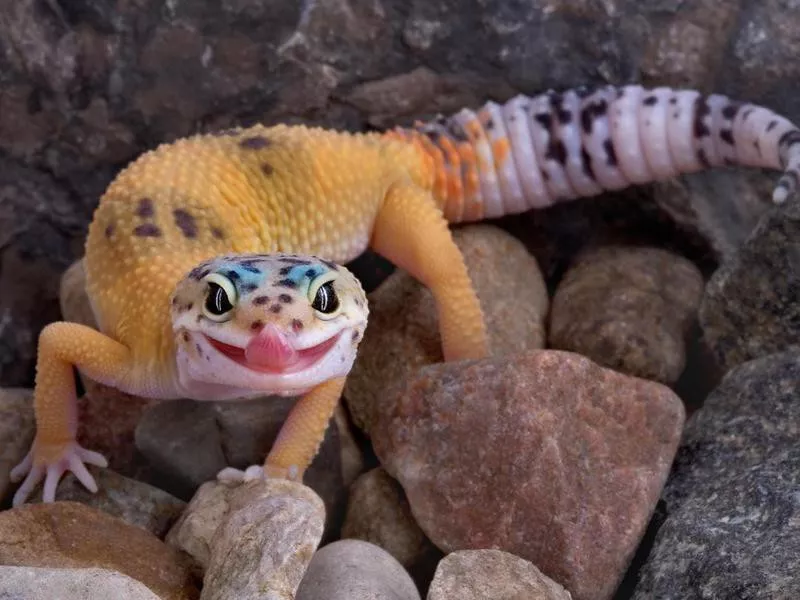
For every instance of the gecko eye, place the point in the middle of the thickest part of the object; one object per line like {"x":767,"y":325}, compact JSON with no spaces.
{"x":220,"y":298}
{"x":325,"y":300}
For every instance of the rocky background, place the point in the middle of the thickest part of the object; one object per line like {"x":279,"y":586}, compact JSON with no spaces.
{"x":87,"y":85}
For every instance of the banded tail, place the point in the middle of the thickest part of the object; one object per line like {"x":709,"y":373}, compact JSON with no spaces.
{"x":532,"y":152}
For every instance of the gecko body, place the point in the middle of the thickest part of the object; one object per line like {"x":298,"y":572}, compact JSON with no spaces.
{"x":177,"y":229}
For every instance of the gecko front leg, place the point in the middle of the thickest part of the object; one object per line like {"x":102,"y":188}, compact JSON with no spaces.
{"x":299,"y":439}
{"x":55,"y":450}
{"x":412,"y":233}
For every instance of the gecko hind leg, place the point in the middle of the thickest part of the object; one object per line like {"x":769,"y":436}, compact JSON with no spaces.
{"x":412,"y":233}
{"x":55,"y":450}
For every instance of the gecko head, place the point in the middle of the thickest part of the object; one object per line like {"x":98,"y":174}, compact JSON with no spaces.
{"x":255,"y":324}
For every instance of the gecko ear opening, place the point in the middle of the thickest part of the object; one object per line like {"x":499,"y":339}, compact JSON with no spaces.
{"x":220,"y":299}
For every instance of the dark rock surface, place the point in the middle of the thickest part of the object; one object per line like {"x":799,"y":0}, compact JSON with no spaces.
{"x":733,"y":524}
{"x":88,"y":85}
{"x":752,"y":303}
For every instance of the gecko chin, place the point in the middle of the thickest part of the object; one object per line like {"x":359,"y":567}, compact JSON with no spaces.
{"x":212,"y":369}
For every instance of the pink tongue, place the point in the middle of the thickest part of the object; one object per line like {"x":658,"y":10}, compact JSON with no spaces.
{"x":270,"y":349}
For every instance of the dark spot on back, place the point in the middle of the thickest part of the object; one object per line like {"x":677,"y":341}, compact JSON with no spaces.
{"x":185,"y":222}
{"x":267,"y":169}
{"x":673,"y":100}
{"x":217,"y":233}
{"x":297,"y":324}
{"x":285,"y":298}
{"x":747,"y":112}
{"x":650,"y":100}
{"x":254,"y":143}
{"x":145,"y":208}
{"x":259,"y":300}
{"x":147,"y":230}
{"x":772,"y":125}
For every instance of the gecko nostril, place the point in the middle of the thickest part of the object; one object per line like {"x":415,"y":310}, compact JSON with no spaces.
{"x":257,"y":325}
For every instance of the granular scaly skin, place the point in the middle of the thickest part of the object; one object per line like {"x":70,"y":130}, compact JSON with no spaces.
{"x":309,"y":193}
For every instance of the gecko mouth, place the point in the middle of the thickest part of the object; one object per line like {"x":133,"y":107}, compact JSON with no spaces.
{"x":305,"y":357}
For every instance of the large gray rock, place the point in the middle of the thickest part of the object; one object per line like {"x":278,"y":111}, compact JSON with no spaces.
{"x":733,"y":525}
{"x":752,"y":303}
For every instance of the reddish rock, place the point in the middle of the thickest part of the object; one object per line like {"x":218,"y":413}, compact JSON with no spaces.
{"x":543,"y":454}
{"x":629,"y":309}
{"x":71,"y":535}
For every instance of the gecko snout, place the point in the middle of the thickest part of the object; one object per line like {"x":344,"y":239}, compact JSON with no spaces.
{"x":271,"y":348}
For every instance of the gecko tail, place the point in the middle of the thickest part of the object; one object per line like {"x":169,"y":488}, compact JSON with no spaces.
{"x":532,"y":152}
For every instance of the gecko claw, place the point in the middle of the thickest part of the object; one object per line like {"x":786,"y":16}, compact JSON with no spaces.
{"x":231,"y":475}
{"x":72,"y":457}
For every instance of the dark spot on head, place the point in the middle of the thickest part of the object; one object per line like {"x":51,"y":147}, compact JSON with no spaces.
{"x":586,"y":163}
{"x":257,"y":325}
{"x":295,"y":261}
{"x":285,"y":270}
{"x":217,"y":233}
{"x":297,"y":324}
{"x":232,"y":275}
{"x":703,"y":158}
{"x":275,"y":308}
{"x":198,"y":273}
{"x":772,"y":125}
{"x":355,"y":336}
{"x":650,"y":100}
{"x":145,"y":208}
{"x":673,"y":100}
{"x":556,"y":150}
{"x":248,"y":288}
{"x":109,"y":230}
{"x":185,"y":336}
{"x":611,"y":153}
{"x":174,"y":301}
{"x":747,"y":112}
{"x":726,"y":135}
{"x":250,"y":266}
{"x":286,"y":283}
{"x":256,"y":142}
{"x":189,"y":306}
{"x":199,"y":349}
{"x":310,"y":273}
{"x":147,"y":230}
{"x":330,"y":265}
{"x":185,"y":222}
{"x":259,"y":300}
{"x":285,"y":298}
{"x":267,"y":169}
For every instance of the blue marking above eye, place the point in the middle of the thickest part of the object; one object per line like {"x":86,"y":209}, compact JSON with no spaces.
{"x":245,"y":277}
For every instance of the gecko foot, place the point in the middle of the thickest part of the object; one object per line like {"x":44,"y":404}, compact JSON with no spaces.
{"x":69,"y":457}
{"x":229,"y":474}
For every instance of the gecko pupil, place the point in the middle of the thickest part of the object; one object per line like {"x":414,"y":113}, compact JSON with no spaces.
{"x":217,"y":301}
{"x":326,"y":300}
